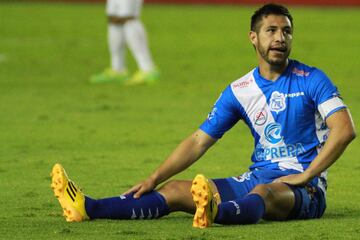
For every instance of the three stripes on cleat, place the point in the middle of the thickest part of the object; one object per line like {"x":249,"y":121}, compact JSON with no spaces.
{"x":72,"y":192}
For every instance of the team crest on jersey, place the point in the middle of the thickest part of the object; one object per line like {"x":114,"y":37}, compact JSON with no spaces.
{"x":260,"y":117}
{"x":277,"y":102}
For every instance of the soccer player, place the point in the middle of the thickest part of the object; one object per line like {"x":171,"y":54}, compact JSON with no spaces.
{"x":125,"y":29}
{"x":300,"y":126}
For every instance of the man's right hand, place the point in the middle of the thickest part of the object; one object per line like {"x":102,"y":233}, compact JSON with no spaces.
{"x":142,"y":187}
{"x":185,"y":154}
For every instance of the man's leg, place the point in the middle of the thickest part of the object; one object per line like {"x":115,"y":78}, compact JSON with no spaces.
{"x":137,"y":41}
{"x":116,"y":43}
{"x":173,"y":196}
{"x":279,"y":200}
{"x":272,"y":201}
{"x":148,"y":206}
{"x":130,"y":31}
{"x":178,"y":196}
{"x":119,"y":12}
{"x":124,"y":28}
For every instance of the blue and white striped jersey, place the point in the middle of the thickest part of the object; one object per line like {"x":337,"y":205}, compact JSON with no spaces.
{"x":286,"y":116}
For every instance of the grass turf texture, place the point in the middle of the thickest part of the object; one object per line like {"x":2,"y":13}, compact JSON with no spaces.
{"x":109,"y":137}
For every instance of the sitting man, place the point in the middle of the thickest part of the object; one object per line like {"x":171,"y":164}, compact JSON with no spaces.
{"x":300,"y":126}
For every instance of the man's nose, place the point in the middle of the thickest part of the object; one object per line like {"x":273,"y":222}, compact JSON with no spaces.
{"x":280,"y":36}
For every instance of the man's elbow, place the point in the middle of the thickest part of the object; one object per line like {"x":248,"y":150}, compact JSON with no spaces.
{"x":352,"y":135}
{"x":349,"y":136}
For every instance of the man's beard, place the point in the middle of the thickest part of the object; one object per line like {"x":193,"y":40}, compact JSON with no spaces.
{"x":273,"y":61}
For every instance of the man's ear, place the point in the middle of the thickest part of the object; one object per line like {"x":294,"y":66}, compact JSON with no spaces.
{"x":253,"y":38}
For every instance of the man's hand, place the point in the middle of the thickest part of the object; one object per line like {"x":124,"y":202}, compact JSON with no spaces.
{"x":299,"y":179}
{"x":141,"y":188}
{"x":185,"y":154}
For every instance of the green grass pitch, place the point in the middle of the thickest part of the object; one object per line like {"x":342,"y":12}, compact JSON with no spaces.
{"x":110,"y":137}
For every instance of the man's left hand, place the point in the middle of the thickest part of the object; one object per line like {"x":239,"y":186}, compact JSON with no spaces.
{"x":299,"y":179}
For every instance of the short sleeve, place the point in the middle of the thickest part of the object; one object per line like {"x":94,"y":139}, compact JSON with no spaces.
{"x":224,"y":115}
{"x":324,"y":94}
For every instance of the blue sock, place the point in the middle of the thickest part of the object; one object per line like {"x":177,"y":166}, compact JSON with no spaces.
{"x":149,"y":205}
{"x":247,"y":210}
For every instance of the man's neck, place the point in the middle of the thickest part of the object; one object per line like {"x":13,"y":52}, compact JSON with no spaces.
{"x":271,"y":72}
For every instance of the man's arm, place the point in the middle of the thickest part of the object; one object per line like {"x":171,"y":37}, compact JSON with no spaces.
{"x":185,"y":154}
{"x":342,"y":132}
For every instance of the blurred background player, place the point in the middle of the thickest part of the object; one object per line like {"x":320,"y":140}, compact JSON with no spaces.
{"x":125,"y":29}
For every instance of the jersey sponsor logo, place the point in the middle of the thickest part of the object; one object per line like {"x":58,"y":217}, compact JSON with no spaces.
{"x":277,"y":102}
{"x":275,"y":150}
{"x":273,"y":133}
{"x":243,"y":84}
{"x":268,"y":153}
{"x":300,"y":73}
{"x":260,"y":117}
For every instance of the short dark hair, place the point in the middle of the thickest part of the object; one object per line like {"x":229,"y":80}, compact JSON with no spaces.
{"x":267,"y":10}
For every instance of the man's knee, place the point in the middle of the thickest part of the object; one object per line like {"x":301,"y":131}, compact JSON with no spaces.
{"x":172,"y":187}
{"x":119,"y":20}
{"x":177,"y":195}
{"x":279,"y":200}
{"x":264,"y":190}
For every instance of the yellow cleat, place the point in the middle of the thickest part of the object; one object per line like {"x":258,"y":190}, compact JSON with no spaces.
{"x":206,"y":202}
{"x":70,"y":197}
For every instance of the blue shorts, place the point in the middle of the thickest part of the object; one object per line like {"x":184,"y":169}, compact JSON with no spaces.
{"x":309,"y":200}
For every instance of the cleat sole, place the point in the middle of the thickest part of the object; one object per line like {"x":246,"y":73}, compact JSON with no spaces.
{"x":201,"y":187}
